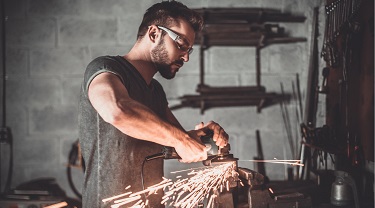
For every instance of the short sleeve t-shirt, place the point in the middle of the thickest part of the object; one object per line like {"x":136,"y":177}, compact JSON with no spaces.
{"x":113,"y":159}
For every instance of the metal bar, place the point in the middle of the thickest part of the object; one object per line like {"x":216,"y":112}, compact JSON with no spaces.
{"x":312,"y":95}
{"x":201,"y":59}
{"x":230,"y":41}
{"x":248,"y":14}
{"x":285,"y":114}
{"x":257,"y":59}
{"x":205,"y":89}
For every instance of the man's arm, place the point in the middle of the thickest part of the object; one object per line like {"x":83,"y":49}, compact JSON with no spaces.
{"x":220,"y":136}
{"x":111,"y":100}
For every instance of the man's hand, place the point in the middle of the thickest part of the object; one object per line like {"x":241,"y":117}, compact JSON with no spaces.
{"x":220,"y":137}
{"x":191,"y":150}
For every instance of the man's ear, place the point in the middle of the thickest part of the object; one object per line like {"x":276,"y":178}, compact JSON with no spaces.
{"x":153,"y":33}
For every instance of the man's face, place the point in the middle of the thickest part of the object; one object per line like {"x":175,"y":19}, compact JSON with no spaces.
{"x":168,"y":56}
{"x":162,"y":62}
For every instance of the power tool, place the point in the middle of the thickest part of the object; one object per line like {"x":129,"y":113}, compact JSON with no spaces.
{"x":215,"y":154}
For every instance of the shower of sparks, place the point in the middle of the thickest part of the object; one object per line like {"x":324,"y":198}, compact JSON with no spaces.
{"x":285,"y":162}
{"x":129,"y":197}
{"x":203,"y":183}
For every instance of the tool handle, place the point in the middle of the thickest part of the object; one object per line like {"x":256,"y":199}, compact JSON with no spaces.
{"x":170,"y":152}
{"x":155,"y":156}
{"x":206,"y":139}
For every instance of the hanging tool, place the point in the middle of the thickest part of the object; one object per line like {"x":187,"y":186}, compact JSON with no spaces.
{"x":324,"y":87}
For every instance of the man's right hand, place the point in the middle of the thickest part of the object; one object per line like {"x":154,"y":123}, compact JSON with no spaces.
{"x":191,"y":150}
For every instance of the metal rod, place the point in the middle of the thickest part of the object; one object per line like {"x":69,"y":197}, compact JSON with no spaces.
{"x":298,"y":119}
{"x":3,"y":48}
{"x":285,"y":114}
{"x":201,"y":59}
{"x":258,"y":66}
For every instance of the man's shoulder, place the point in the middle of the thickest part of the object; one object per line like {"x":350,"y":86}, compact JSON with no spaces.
{"x":111,"y":63}
{"x":104,"y":59}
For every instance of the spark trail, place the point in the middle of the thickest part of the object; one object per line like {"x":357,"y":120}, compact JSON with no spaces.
{"x":285,"y":162}
{"x":202,"y":183}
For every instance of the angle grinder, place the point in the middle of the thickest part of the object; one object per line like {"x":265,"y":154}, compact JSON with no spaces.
{"x":215,"y":154}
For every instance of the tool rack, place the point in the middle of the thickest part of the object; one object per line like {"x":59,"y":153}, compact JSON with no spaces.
{"x":246,"y":27}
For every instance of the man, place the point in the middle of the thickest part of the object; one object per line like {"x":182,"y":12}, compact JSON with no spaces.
{"x":124,"y":114}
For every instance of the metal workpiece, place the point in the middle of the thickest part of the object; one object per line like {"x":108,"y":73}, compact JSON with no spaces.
{"x":251,"y":177}
{"x":219,"y":159}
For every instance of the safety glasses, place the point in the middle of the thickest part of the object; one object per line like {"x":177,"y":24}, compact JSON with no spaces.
{"x":181,"y":43}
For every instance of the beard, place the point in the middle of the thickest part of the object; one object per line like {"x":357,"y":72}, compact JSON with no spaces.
{"x":159,"y":57}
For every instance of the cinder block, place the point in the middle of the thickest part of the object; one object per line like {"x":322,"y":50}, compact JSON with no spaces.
{"x":54,"y":119}
{"x":286,"y":59}
{"x":118,"y":8}
{"x":18,"y":175}
{"x":43,"y":92}
{"x":274,"y":146}
{"x":235,"y":119}
{"x":58,"y":61}
{"x":128,"y":28}
{"x":36,"y":150}
{"x":249,"y":79}
{"x":274,"y":118}
{"x":223,"y":80}
{"x":71,"y":88}
{"x":16,"y":93}
{"x":237,"y":60}
{"x":243,"y":146}
{"x":55,"y":7}
{"x":31,"y":32}
{"x":188,"y":117}
{"x":15,"y":8}
{"x":16,"y":120}
{"x":104,"y":50}
{"x":17,"y":61}
{"x":297,"y":29}
{"x":273,"y":82}
{"x":87,"y":31}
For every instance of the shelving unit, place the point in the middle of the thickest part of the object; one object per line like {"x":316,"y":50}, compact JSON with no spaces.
{"x":244,"y":27}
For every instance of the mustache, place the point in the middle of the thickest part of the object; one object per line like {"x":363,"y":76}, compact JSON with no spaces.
{"x":178,"y":62}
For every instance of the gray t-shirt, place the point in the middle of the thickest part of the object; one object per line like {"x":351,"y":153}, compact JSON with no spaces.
{"x":113,"y":159}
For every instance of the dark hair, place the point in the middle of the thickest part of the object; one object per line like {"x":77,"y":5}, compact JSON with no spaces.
{"x":167,"y":13}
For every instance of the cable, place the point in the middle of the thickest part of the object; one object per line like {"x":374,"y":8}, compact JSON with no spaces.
{"x":148,"y":158}
{"x":142,"y":180}
{"x":72,"y":159}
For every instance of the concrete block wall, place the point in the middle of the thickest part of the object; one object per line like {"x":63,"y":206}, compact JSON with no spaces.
{"x":50,"y":42}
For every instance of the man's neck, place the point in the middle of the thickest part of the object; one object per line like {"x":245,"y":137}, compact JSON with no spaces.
{"x":143,"y":64}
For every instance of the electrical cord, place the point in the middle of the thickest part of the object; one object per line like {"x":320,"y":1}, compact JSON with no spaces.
{"x":74,"y":155}
{"x":142,"y":179}
{"x":148,"y":158}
